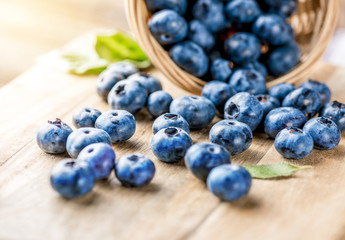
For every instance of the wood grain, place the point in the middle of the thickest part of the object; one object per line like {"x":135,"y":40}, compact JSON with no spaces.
{"x":175,"y":205}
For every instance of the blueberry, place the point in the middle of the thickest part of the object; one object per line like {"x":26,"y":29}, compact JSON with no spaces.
{"x":283,"y":117}
{"x":106,"y":81}
{"x":243,"y":48}
{"x":268,"y":103}
{"x":134,"y":170}
{"x":100,"y":158}
{"x":281,"y":60}
{"x":201,"y":158}
{"x":170,"y":120}
{"x":257,"y":66}
{"x":280,"y":91}
{"x":229,"y":182}
{"x":218,"y":93}
{"x":244,"y":107}
{"x":325,"y":133}
{"x":198,"y":111}
{"x":128,"y":95}
{"x":71,"y":178}
{"x":210,"y":13}
{"x":151,"y":83}
{"x":124,"y":68}
{"x":248,"y":80}
{"x":119,"y":124}
{"x":233,"y":135}
{"x":159,"y":103}
{"x":294,"y":143}
{"x":284,"y":8}
{"x":304,"y":99}
{"x":180,"y":6}
{"x":83,"y":137}
{"x":221,"y":69}
{"x":170,"y":144}
{"x":86,"y":117}
{"x":272,"y":29}
{"x":52,"y":136}
{"x":321,"y":88}
{"x":199,"y":34}
{"x":168,"y":27}
{"x":239,"y":11}
{"x":190,"y":57}
{"x":335,"y":111}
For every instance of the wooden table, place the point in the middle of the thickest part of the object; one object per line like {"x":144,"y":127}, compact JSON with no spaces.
{"x":310,"y":205}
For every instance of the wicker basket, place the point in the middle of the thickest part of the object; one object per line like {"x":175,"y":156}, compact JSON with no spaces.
{"x":313,"y":23}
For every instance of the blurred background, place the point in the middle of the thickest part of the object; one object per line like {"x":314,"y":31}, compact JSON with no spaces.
{"x":30,"y":28}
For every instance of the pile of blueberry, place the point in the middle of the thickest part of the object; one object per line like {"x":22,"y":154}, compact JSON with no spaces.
{"x":285,"y":114}
{"x":228,"y":40}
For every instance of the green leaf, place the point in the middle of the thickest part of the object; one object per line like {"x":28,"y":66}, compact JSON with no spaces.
{"x":80,"y":64}
{"x":120,"y":46}
{"x":274,"y":170}
{"x":94,"y":58}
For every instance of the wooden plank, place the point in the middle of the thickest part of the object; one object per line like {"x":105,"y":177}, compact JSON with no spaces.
{"x":176,"y":205}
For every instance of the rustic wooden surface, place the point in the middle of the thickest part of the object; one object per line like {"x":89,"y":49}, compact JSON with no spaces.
{"x":175,"y":205}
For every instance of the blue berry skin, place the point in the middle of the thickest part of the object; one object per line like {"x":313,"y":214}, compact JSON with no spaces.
{"x":321,"y":88}
{"x":257,"y":66}
{"x":280,"y":91}
{"x":86,"y":117}
{"x":273,"y":30}
{"x":268,"y":103}
{"x":336,"y":112}
{"x":179,"y":6}
{"x":235,"y":136}
{"x":124,"y":68}
{"x":325,"y":133}
{"x":284,"y":8}
{"x":199,"y":34}
{"x":198,"y":111}
{"x":283,"y":117}
{"x":218,"y":93}
{"x":190,"y":57}
{"x":134,"y":170}
{"x":72,"y":178}
{"x":243,"y":48}
{"x":168,"y":27}
{"x":128,"y":95}
{"x":83,"y":137}
{"x":211,"y":14}
{"x":170,"y":120}
{"x":221,"y":70}
{"x":244,"y":107}
{"x":229,"y":182}
{"x":294,"y":143}
{"x":241,"y":12}
{"x":248,"y":80}
{"x":304,"y":99}
{"x":100,"y":157}
{"x":119,"y":124}
{"x":170,"y":144}
{"x":52,"y":136}
{"x":201,"y":158}
{"x":106,"y":81}
{"x":283,"y":59}
{"x":151,"y":83}
{"x":158,"y":103}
